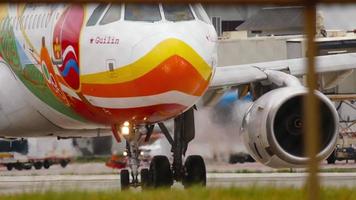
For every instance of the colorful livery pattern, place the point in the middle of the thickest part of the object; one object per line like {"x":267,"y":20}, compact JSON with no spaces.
{"x":66,"y":38}
{"x":52,"y":62}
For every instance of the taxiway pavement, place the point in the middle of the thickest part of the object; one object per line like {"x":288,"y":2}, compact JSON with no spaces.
{"x":41,"y":183}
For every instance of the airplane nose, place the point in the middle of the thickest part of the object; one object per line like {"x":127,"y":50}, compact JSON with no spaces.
{"x":173,"y":64}
{"x":163,"y":80}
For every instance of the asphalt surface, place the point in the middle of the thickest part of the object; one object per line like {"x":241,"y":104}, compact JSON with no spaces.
{"x":97,"y":177}
{"x":19,"y":184}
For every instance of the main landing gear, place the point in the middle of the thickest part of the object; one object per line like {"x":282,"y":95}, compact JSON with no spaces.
{"x":161,"y":173}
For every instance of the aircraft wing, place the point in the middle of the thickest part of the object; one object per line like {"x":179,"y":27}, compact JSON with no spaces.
{"x":241,"y":74}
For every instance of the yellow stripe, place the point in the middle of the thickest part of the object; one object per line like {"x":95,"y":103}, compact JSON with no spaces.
{"x":157,"y":55}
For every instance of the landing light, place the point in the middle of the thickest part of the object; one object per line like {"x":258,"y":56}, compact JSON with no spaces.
{"x":125,"y":129}
{"x":125,"y":153}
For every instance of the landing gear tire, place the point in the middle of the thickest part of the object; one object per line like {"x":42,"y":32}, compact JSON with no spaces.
{"x":63,"y":163}
{"x":160,"y":172}
{"x":46,"y":164}
{"x":37,"y":165}
{"x":145,"y":178}
{"x":195,"y":172}
{"x":18,"y":166}
{"x":27,"y":167}
{"x":125,"y":179}
{"x":9,"y":167}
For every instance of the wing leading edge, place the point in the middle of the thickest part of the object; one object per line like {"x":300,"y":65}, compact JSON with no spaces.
{"x":241,"y":74}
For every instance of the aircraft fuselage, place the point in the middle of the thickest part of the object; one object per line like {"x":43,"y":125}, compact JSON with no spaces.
{"x":107,"y":64}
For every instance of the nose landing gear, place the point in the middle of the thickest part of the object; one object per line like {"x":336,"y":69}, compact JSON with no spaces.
{"x":161,"y":173}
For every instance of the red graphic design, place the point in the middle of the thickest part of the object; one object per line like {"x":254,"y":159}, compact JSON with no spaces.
{"x":66,"y":39}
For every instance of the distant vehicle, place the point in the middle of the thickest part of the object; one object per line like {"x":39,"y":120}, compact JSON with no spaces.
{"x":120,"y":161}
{"x":117,"y":161}
{"x":22,"y":154}
{"x":13,"y":160}
{"x":342,"y":153}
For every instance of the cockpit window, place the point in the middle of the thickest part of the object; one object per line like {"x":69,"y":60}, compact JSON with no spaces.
{"x":177,"y":12}
{"x":98,"y":11}
{"x":112,"y":15}
{"x":200,"y":13}
{"x":142,"y":12}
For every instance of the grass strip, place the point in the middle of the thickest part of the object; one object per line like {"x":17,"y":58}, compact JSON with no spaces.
{"x":248,"y":193}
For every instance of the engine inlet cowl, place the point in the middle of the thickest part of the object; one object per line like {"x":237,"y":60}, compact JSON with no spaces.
{"x":273,"y":127}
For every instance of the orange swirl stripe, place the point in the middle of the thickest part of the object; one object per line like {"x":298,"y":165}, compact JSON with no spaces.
{"x":180,"y":69}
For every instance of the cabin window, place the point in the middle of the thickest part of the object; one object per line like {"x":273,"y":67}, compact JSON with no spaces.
{"x":39,"y":21}
{"x":98,"y":11}
{"x":22,"y":21}
{"x":7,"y":27}
{"x":2,"y":26}
{"x":8,"y":22}
{"x":1,"y":23}
{"x":142,"y":12}
{"x":177,"y":12}
{"x":5,"y":23}
{"x":38,"y":25}
{"x":16,"y":23}
{"x":29,"y":22}
{"x":113,"y":14}
{"x":34,"y":22}
{"x":43,"y":20}
{"x":48,"y":18}
{"x":11,"y":23}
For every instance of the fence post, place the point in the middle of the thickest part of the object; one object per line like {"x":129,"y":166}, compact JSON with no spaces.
{"x":311,"y":106}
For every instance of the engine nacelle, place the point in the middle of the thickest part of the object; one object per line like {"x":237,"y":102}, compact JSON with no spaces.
{"x":273,"y":132}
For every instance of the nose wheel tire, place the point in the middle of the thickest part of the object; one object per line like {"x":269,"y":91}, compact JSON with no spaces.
{"x":46,"y":164}
{"x":195,"y":172}
{"x":37,"y":165}
{"x":160,"y":172}
{"x":125,"y":179}
{"x":9,"y":167}
{"x":145,"y":178}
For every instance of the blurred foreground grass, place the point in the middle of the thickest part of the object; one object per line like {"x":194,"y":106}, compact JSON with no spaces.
{"x":250,"y":193}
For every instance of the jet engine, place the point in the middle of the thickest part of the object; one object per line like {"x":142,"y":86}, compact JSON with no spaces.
{"x":273,"y":132}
